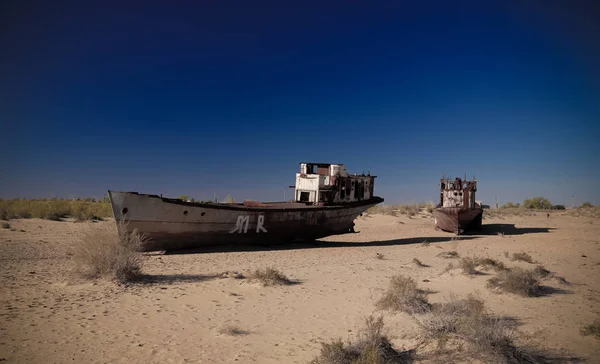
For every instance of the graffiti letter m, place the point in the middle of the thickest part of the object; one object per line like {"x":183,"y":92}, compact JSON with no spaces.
{"x":241,"y":225}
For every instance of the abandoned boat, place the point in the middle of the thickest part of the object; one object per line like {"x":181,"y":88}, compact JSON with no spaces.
{"x":457,"y":211}
{"x":327,"y":199}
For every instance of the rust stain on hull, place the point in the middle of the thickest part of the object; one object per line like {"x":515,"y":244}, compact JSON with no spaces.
{"x":458,"y":220}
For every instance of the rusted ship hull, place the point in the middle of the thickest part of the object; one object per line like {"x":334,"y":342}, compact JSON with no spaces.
{"x":172,"y":224}
{"x":458,"y":219}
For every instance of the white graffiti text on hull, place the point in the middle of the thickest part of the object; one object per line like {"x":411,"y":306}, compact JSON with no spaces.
{"x":242,"y":223}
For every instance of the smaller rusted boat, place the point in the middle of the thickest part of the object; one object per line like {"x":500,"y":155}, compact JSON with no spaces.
{"x":326,"y":202}
{"x":458,"y":211}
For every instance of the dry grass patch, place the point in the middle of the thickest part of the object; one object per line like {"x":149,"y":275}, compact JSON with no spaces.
{"x":592,"y":329}
{"x":101,"y":254}
{"x":465,"y":326}
{"x":372,"y":346}
{"x":270,"y":277}
{"x":522,"y":257}
{"x":6,"y":225}
{"x":55,"y":209}
{"x":403,"y":295}
{"x":517,"y":280}
{"x":232,"y":330}
{"x":448,"y":255}
{"x":489,"y":263}
{"x":468,"y":265}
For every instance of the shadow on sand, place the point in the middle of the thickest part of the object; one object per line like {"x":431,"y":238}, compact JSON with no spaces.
{"x":506,"y":229}
{"x":311,"y":245}
{"x":175,"y":278}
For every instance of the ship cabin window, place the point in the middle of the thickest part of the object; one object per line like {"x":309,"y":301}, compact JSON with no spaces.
{"x":443,"y":186}
{"x":304,"y":196}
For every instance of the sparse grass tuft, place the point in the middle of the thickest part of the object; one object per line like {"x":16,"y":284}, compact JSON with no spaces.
{"x":541,"y":272}
{"x":489,"y":263}
{"x":465,"y":324}
{"x":6,"y":225}
{"x":448,"y":255}
{"x":101,"y":254}
{"x":371,"y":347}
{"x":518,"y":281}
{"x":379,"y":256}
{"x":403,"y":295}
{"x":269,"y":277}
{"x":522,"y":257}
{"x":418,"y":263}
{"x":592,"y":329}
{"x":232,"y":330}
{"x":468,"y":265}
{"x":231,"y":274}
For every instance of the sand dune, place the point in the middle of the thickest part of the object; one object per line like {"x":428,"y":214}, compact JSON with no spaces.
{"x":50,"y":315}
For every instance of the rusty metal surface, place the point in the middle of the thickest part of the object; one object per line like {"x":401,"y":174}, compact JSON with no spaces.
{"x":458,"y":220}
{"x":171,"y":224}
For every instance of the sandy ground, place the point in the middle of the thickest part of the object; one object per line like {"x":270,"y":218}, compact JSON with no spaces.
{"x":49,"y":315}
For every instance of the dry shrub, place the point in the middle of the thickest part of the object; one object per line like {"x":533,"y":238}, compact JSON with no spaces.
{"x":592,"y":329}
{"x":518,"y":281}
{"x":449,"y":267}
{"x":418,"y":263}
{"x":429,"y":207}
{"x":466,"y":326}
{"x":522,"y":257}
{"x":403,"y":295}
{"x":448,"y":255}
{"x":269,"y":277}
{"x":381,"y":209}
{"x":489,"y":263}
{"x":105,"y":255}
{"x":541,"y":272}
{"x":468,"y":265}
{"x":6,"y":225}
{"x":410,"y":210}
{"x":231,"y":274}
{"x":425,"y":243}
{"x":232,"y":330}
{"x":371,"y":347}
{"x":379,"y":256}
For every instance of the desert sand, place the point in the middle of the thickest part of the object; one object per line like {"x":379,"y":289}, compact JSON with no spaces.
{"x":51,"y":315}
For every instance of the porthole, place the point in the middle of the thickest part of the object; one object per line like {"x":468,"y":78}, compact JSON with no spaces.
{"x":202,"y":214}
{"x":124,"y":210}
{"x":185,"y":212}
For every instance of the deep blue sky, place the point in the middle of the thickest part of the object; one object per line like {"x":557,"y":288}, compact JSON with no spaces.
{"x":191,"y":97}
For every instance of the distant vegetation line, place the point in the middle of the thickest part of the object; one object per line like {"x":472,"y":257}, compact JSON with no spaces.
{"x":531,"y":204}
{"x":55,"y":209}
